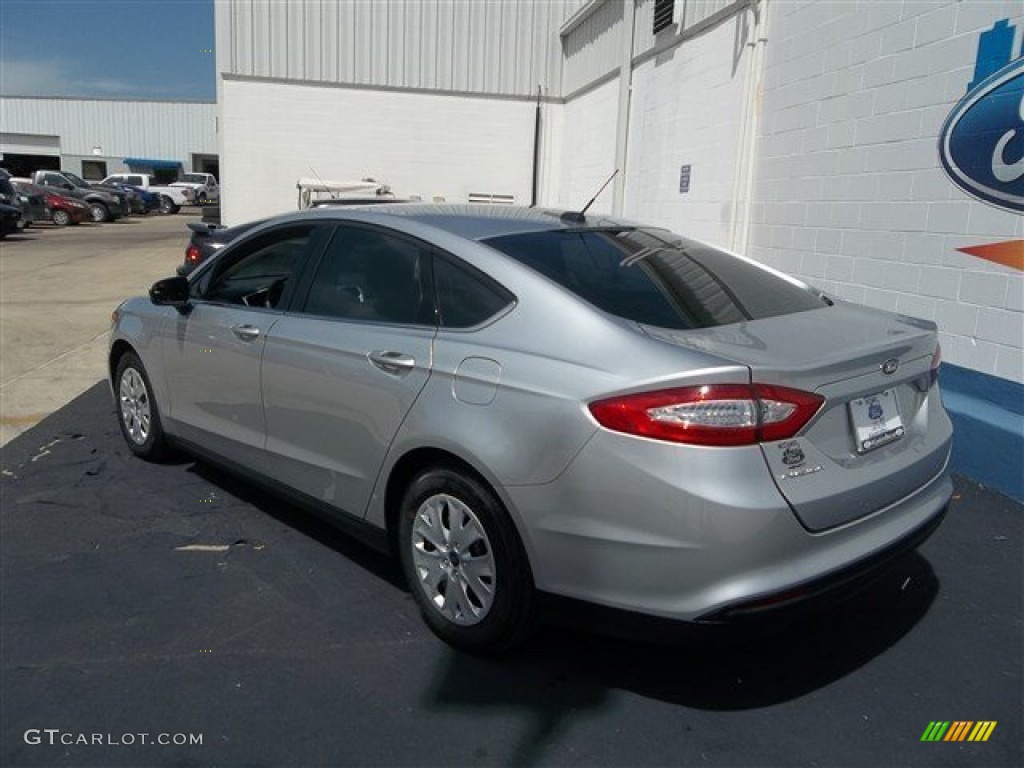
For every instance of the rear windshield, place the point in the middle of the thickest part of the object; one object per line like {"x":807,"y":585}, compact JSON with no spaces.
{"x":657,"y":278}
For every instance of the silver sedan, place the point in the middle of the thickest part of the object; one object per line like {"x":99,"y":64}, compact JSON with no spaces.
{"x":520,"y":402}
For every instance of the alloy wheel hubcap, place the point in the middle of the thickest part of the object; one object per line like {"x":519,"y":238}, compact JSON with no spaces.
{"x":135,"y":412}
{"x":453,"y":559}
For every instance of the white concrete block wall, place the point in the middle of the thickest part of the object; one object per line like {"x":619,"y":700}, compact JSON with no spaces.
{"x":419,"y":143}
{"x":588,"y":148}
{"x":850,"y":194}
{"x":686,"y":109}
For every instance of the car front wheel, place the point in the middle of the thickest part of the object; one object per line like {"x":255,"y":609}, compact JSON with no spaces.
{"x":99,"y":213}
{"x":464,"y":562}
{"x":138,"y":414}
{"x":61,"y":218}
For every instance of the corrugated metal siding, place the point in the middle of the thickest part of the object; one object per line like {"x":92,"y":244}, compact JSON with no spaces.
{"x":501,"y":47}
{"x":594,"y":48}
{"x":163,"y":130}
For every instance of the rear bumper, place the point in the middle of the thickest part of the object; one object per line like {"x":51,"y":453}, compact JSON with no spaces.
{"x":835,"y":586}
{"x":696,"y":535}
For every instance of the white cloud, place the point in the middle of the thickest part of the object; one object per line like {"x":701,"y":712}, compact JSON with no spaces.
{"x":51,"y":77}
{"x":34,"y":78}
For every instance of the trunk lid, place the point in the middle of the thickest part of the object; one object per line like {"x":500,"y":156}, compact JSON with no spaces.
{"x":881,"y":434}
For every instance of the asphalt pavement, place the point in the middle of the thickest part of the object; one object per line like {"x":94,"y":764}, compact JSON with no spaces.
{"x":144,"y":603}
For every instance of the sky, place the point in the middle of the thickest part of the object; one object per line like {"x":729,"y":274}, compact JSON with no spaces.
{"x":108,"y":49}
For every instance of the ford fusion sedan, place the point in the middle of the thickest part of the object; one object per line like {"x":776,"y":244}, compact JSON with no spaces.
{"x":521,"y":402}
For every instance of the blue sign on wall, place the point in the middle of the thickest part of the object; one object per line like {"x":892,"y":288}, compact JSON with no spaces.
{"x":981,"y":144}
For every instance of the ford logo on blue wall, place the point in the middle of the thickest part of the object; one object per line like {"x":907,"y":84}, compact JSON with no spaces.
{"x":981,"y":144}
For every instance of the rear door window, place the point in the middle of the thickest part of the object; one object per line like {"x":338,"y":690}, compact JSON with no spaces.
{"x":374,"y":276}
{"x":656,"y":278}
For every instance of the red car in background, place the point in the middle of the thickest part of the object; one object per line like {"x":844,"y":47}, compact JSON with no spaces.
{"x":61,"y":209}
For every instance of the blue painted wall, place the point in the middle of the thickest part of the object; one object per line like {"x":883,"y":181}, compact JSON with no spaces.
{"x":988,"y":416}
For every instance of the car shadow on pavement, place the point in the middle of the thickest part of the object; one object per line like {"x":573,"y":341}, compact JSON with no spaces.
{"x":299,"y":519}
{"x":564,"y":674}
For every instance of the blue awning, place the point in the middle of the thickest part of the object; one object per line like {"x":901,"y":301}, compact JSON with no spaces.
{"x":142,"y":162}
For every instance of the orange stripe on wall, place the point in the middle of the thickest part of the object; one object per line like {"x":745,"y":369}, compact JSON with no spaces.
{"x":1009,"y":253}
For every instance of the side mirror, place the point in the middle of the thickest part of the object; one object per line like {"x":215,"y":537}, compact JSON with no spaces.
{"x":170,"y":292}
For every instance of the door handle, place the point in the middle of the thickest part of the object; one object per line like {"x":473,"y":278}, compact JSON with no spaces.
{"x":246,"y":332}
{"x":391,"y":362}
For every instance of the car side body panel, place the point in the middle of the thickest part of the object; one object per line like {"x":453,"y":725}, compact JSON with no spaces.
{"x":331,"y":411}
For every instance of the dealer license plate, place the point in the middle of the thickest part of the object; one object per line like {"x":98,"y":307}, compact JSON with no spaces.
{"x":876,"y":420}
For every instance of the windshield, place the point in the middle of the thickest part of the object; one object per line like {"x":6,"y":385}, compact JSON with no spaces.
{"x":194,"y":177}
{"x":657,"y":278}
{"x":75,"y":180}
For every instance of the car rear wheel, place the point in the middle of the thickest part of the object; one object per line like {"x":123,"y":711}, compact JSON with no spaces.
{"x":99,"y":212}
{"x":464,"y":562}
{"x":61,"y":218}
{"x":138,"y":414}
{"x":167,"y":205}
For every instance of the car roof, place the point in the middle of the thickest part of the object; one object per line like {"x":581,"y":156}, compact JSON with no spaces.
{"x":480,"y":222}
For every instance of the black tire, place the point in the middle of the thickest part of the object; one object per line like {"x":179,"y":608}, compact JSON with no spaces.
{"x":61,"y":218}
{"x":99,"y":212}
{"x":167,"y":205}
{"x":492,"y":609}
{"x":132,"y":395}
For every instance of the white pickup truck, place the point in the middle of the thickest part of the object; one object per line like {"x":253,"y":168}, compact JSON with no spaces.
{"x":171,"y":197}
{"x":203,"y":185}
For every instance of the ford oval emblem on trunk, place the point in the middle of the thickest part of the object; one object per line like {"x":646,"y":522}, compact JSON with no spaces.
{"x":981,"y":144}
{"x":889,"y":366}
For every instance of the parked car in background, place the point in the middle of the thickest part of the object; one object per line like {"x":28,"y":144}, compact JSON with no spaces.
{"x":171,"y":197}
{"x":104,"y":204}
{"x":518,"y":401}
{"x":9,"y":196}
{"x":66,"y":210}
{"x":151,"y":201}
{"x":10,"y":218}
{"x":207,"y":239}
{"x":33,"y":201}
{"x":141,"y":201}
{"x":60,"y":202}
{"x":203,"y":185}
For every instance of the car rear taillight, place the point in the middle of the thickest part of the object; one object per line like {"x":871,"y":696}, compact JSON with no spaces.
{"x":192,"y":254}
{"x":936,"y":362}
{"x":716,"y":414}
